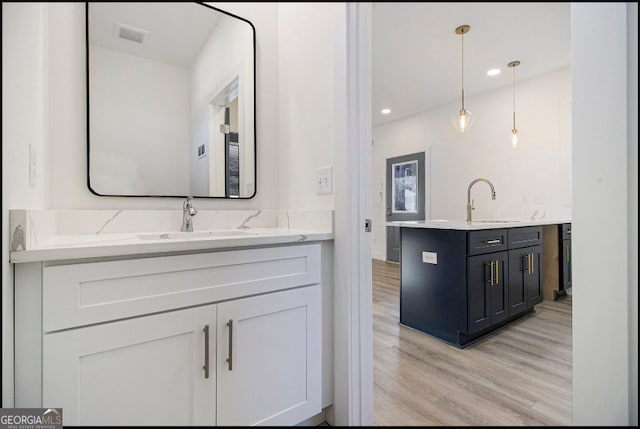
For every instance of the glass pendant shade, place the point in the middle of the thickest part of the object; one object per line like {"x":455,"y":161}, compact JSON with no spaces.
{"x":514,"y":138}
{"x":464,"y":119}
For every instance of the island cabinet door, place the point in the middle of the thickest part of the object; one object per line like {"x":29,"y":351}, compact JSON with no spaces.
{"x":486,"y":291}
{"x":153,"y":370}
{"x":519,"y":266}
{"x":533,"y":284}
{"x":525,"y":279}
{"x":269,"y":349}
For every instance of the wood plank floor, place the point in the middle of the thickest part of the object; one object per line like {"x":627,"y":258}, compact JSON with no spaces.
{"x":521,"y":376}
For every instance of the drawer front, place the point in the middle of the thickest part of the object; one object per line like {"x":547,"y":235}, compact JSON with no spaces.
{"x":81,"y":294}
{"x":486,"y":241}
{"x":525,"y":236}
{"x":566,"y":231}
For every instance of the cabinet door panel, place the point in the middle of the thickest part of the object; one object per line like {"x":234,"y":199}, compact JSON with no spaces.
{"x":518,"y":270}
{"x":499,"y":289}
{"x":486,"y":290}
{"x":143,"y":371}
{"x":533,"y":283}
{"x":478,"y":305}
{"x":566,"y":264}
{"x":275,"y":347}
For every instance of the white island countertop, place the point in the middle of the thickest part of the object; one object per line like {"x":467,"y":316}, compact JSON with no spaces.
{"x":461,"y":224}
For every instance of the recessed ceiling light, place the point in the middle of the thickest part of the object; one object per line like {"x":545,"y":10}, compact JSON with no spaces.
{"x":385,"y":111}
{"x":493,"y":72}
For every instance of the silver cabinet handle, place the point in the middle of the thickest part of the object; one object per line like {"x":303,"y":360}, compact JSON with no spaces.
{"x":206,"y":351}
{"x":494,"y":241}
{"x":230,"y":358}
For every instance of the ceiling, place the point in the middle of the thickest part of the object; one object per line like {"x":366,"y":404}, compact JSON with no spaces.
{"x":176,"y":31}
{"x":417,"y":56}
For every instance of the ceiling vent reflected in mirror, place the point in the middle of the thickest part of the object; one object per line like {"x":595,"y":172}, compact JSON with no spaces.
{"x":130,"y":33}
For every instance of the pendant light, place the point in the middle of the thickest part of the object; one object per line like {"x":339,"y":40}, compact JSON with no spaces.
{"x":463,"y":121}
{"x":514,"y":131}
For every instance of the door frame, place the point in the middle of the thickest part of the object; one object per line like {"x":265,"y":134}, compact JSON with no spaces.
{"x":353,"y":322}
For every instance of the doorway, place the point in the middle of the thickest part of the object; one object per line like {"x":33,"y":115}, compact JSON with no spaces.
{"x":405,"y":180}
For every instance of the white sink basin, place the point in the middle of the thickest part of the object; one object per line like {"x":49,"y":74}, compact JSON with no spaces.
{"x":179,"y":235}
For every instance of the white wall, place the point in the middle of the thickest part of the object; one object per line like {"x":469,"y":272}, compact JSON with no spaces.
{"x":632,"y":196}
{"x":139,"y":125}
{"x":24,"y":122}
{"x":531,"y":181}
{"x":311,"y":64}
{"x":604,"y":231}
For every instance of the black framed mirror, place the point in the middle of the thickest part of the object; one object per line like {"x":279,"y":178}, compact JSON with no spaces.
{"x":170,"y":101}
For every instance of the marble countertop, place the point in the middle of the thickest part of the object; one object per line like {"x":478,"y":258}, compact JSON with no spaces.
{"x":63,"y":235}
{"x":461,"y":224}
{"x":69,"y":247}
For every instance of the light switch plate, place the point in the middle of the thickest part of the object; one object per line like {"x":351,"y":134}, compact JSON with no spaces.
{"x":324,"y":180}
{"x":430,"y":258}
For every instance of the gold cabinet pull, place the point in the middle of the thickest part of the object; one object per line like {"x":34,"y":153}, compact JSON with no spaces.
{"x":497,"y":275}
{"x":528,"y":264}
{"x":494,"y":241}
{"x":533,"y":264}
{"x":206,"y":351}
{"x":490,"y":264}
{"x":230,"y":358}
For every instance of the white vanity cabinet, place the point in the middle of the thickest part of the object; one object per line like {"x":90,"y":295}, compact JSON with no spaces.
{"x":216,"y":338}
{"x":144,"y":371}
{"x":269,"y":358}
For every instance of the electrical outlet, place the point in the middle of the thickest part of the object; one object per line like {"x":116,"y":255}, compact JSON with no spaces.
{"x":324,"y":180}
{"x":430,"y":258}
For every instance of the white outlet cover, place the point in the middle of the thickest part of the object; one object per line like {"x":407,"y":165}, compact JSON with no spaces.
{"x":324,"y":180}
{"x":430,"y":258}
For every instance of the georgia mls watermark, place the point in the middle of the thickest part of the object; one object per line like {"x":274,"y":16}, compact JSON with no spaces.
{"x":30,"y":418}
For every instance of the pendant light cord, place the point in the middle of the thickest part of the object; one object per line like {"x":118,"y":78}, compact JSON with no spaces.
{"x":514,"y":97}
{"x":462,"y":74}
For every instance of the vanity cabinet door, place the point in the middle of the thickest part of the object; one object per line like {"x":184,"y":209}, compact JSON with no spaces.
{"x":486,"y":290}
{"x":145,"y":371}
{"x":269,"y":350}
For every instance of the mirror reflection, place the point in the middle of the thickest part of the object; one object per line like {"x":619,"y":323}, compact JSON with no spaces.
{"x":171,"y":101}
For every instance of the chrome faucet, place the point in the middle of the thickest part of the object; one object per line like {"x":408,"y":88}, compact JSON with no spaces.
{"x":470,"y":206}
{"x":188,"y":211}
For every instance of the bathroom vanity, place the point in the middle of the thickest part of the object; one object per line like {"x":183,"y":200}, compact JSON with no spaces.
{"x":175,"y":329}
{"x":461,"y":281}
